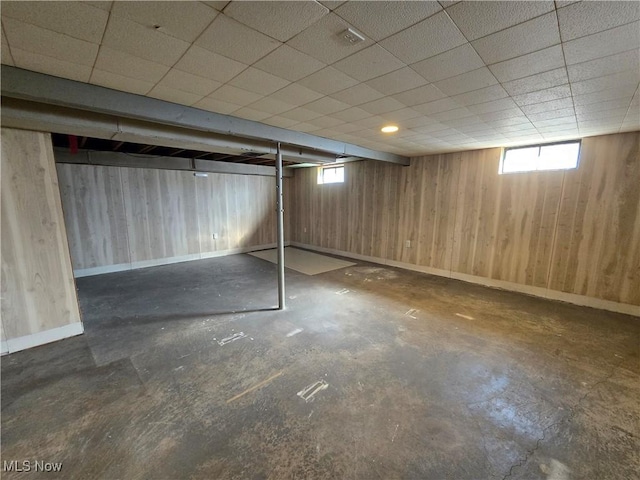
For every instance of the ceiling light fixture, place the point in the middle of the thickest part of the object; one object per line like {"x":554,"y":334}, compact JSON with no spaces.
{"x":389,"y":129}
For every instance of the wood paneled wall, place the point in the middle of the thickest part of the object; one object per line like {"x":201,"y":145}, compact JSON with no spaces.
{"x":574,"y":231}
{"x":38,"y":289}
{"x":129,"y":216}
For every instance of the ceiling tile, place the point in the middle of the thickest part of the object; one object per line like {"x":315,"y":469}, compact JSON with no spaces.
{"x":50,"y":66}
{"x":306,"y":127}
{"x":301,"y":114}
{"x":48,"y":43}
{"x":530,"y":64}
{"x":420,"y":95}
{"x":437,"y":106}
{"x":430,"y":37}
{"x":324,"y":41}
{"x":604,"y":66}
{"x":325,"y":122}
{"x":467,"y":82}
{"x":236,"y":41}
{"x":402,"y":115}
{"x":218,"y":106}
{"x":75,"y":19}
{"x":602,"y":114}
{"x":616,"y":80}
{"x":551,"y":114}
{"x":103,"y":5}
{"x":296,"y":95}
{"x":188,"y":82}
{"x":477,"y":19}
{"x":278,"y":19}
{"x":369,"y":63}
{"x":281,"y":122}
{"x":586,"y":18}
{"x":218,"y":5}
{"x":183,"y":20}
{"x":540,"y":96}
{"x":398,"y":81}
{"x":326,"y":106}
{"x":494,"y":106}
{"x":127,"y":65}
{"x":205,"y":63}
{"x":7,"y":59}
{"x":382,"y":105}
{"x":127,"y":36}
{"x":328,"y":81}
{"x":565,"y":102}
{"x":447,"y":115}
{"x":119,"y":82}
{"x":251,"y":114}
{"x":352,"y":114}
{"x":449,"y":64}
{"x":380,"y":19}
{"x":533,"y":35}
{"x":482,"y":95}
{"x":541,"y":81}
{"x":357,"y":95}
{"x":173,"y":95}
{"x":601,"y":106}
{"x":271,"y":105}
{"x":235,"y":95}
{"x":289,"y":63}
{"x":603,"y":95}
{"x":610,"y":42}
{"x":258,"y":81}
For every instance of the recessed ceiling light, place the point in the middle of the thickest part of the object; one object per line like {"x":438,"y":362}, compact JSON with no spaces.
{"x":389,"y":129}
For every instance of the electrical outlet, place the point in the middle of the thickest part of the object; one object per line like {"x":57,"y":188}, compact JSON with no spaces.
{"x":215,"y":236}
{"x":407,"y":244}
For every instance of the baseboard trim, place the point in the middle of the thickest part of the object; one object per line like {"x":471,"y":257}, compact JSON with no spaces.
{"x":41,"y":338}
{"x":122,"y":267}
{"x":581,"y":300}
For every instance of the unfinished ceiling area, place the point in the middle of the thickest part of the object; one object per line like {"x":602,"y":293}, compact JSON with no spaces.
{"x":451,"y":75}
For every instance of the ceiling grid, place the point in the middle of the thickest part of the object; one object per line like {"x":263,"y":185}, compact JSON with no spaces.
{"x":453,"y":75}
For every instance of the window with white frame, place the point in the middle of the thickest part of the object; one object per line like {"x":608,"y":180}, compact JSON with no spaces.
{"x":330,"y":174}
{"x":555,"y":156}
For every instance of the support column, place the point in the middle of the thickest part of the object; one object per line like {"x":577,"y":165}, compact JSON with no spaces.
{"x":280,"y":234}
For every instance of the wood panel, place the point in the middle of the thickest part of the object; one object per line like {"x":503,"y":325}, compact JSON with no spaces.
{"x":95,"y":215}
{"x":38,"y":289}
{"x":576,"y":231}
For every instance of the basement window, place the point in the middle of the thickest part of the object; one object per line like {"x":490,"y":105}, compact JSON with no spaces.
{"x":331,"y":174}
{"x":556,"y":156}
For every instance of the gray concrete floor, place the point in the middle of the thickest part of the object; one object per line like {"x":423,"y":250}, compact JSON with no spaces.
{"x":473,"y":383}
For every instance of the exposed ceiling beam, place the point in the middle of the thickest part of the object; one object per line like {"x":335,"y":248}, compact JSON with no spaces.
{"x":37,"y":87}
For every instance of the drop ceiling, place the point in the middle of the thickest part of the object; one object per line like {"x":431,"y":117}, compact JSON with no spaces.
{"x":452,"y":75}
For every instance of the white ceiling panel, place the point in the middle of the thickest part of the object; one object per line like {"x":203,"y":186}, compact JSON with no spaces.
{"x":48,"y":43}
{"x":205,"y":63}
{"x":289,"y":63}
{"x":430,"y":37}
{"x":120,"y":82}
{"x":328,"y":81}
{"x":585,"y":18}
{"x":467,"y":82}
{"x":540,"y":81}
{"x":599,"y":67}
{"x":140,"y":41}
{"x":368,"y":63}
{"x":75,"y":19}
{"x":121,"y":63}
{"x":610,"y":42}
{"x":527,"y":37}
{"x":235,"y":40}
{"x":478,"y":19}
{"x":183,"y":20}
{"x":278,"y":19}
{"x":456,"y":61}
{"x":398,"y":81}
{"x":381,"y":19}
{"x":52,"y":66}
{"x":324,"y":41}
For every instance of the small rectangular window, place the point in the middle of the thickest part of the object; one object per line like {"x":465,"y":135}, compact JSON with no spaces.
{"x":557,"y":156}
{"x":331,"y":174}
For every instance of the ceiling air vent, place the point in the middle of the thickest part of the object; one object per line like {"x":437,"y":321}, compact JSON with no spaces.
{"x":352,"y":36}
